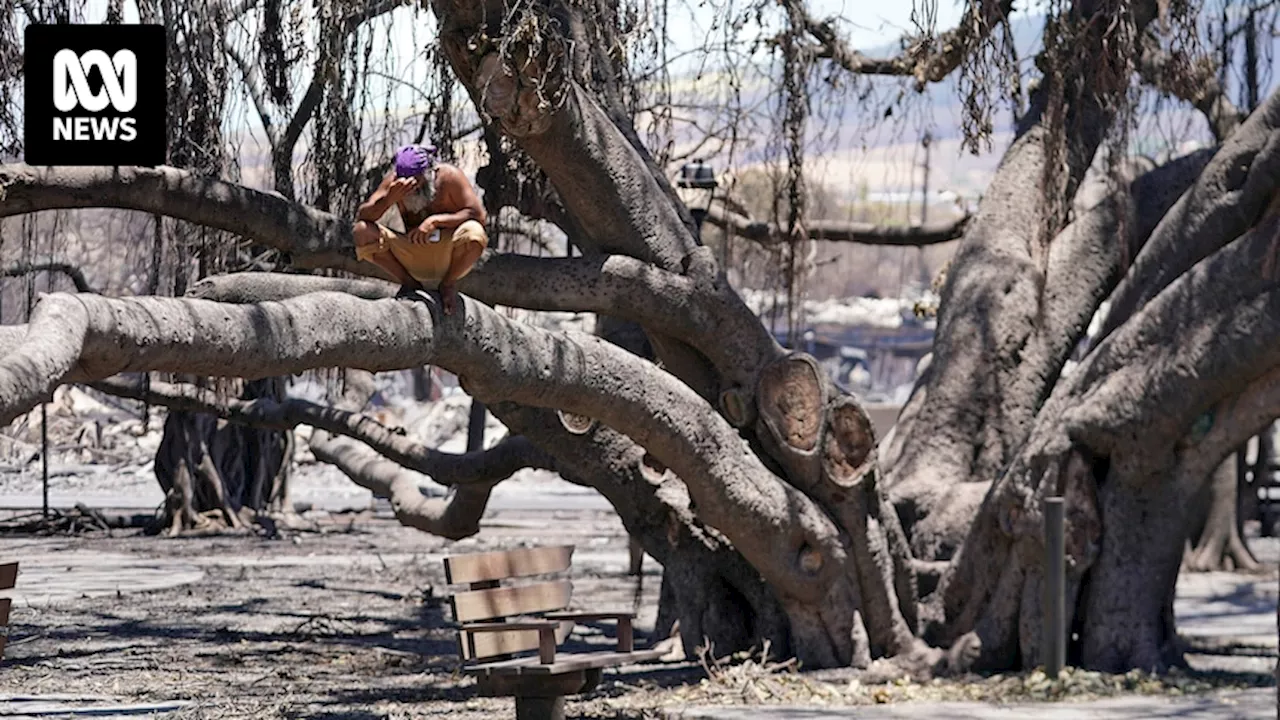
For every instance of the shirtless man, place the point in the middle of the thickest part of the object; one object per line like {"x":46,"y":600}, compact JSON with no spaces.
{"x":443,"y":219}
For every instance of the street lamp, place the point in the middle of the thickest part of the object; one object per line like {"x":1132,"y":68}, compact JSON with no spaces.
{"x":700,"y":178}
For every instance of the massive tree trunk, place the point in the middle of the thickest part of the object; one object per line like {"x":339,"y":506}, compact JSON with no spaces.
{"x":1007,"y":327}
{"x":1132,"y":435}
{"x":1021,"y":290}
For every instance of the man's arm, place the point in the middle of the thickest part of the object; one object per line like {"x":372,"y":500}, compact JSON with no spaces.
{"x":455,"y":190}
{"x":379,"y":202}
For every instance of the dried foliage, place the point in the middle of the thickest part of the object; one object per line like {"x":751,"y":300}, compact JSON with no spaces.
{"x":749,"y":678}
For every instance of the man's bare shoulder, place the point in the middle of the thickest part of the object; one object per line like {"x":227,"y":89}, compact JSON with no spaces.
{"x":449,"y":173}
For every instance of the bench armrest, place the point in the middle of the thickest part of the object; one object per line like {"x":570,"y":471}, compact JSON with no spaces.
{"x":505,"y":626}
{"x":586,"y":615}
{"x":626,"y":638}
{"x":546,"y":634}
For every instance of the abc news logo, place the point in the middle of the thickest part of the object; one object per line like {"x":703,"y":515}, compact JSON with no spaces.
{"x":94,"y":95}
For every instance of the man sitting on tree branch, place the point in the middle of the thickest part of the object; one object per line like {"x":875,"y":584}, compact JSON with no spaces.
{"x":444,"y":223}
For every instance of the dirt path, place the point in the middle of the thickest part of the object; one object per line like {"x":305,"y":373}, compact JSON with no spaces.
{"x":351,"y":623}
{"x":345,"y":624}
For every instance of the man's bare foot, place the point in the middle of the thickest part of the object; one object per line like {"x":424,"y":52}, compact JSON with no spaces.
{"x":410,"y":290}
{"x":449,"y":298}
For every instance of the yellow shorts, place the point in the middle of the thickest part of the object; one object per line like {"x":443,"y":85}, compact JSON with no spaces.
{"x":428,"y":263}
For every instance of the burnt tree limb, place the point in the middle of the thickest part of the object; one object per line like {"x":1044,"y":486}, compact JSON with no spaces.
{"x":789,"y":539}
{"x":473,"y":468}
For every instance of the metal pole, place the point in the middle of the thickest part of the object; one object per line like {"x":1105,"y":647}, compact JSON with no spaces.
{"x":44,"y":454}
{"x":1055,"y":624}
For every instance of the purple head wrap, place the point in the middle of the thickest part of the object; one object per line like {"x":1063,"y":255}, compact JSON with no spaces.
{"x":413,"y":160}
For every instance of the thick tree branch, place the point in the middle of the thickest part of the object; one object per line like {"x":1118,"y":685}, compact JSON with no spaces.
{"x":455,"y":516}
{"x":604,"y":181}
{"x":839,"y":231}
{"x":480,"y":467}
{"x":311,"y":238}
{"x":684,"y":306}
{"x":928,"y":59}
{"x":1228,"y":198}
{"x":72,"y":272}
{"x":1090,"y":256}
{"x":80,"y":338}
{"x":1197,"y":343}
{"x":255,"y":287}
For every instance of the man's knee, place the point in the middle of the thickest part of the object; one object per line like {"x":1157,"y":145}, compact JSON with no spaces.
{"x":366,"y":233}
{"x":471,"y":232}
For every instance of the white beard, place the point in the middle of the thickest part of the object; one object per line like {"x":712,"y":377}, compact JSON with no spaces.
{"x":422,"y":198}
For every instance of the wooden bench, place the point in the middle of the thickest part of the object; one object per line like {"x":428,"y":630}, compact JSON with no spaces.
{"x":486,"y":632}
{"x":8,"y":578}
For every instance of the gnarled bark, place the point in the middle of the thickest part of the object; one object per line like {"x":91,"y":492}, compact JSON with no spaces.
{"x":1129,"y":438}
{"x":1011,"y":341}
{"x":1229,"y":197}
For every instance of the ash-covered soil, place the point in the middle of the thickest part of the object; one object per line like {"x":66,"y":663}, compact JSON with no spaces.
{"x":347,"y":623}
{"x":348,"y":619}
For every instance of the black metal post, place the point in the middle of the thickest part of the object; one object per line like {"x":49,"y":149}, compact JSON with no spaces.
{"x":44,"y":455}
{"x":1055,"y":625}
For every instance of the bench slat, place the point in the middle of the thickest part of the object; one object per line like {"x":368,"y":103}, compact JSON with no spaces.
{"x":476,"y":646}
{"x":565,"y":662}
{"x":588,"y":615}
{"x":8,"y":575}
{"x":478,"y":567}
{"x":508,"y":601}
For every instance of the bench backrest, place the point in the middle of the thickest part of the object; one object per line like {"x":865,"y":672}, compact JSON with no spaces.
{"x":8,"y":578}
{"x":486,"y":599}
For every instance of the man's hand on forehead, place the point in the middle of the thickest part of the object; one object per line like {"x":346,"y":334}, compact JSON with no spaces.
{"x":401,"y":187}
